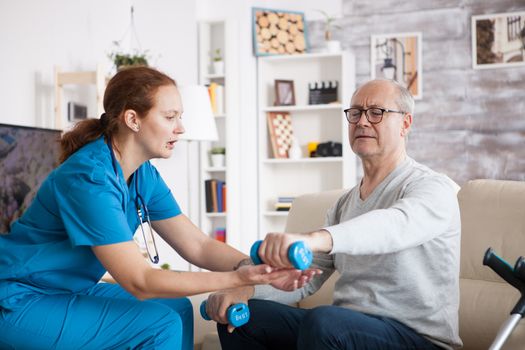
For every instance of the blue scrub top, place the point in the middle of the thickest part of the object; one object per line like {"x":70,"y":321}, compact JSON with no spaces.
{"x":84,"y":202}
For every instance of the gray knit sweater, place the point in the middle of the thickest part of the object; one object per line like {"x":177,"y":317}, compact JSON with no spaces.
{"x":397,"y":253}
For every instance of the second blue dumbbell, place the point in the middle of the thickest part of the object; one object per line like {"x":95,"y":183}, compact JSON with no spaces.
{"x":299,"y":255}
{"x":237,"y":314}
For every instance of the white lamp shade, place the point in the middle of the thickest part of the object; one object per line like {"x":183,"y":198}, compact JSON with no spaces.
{"x":198,"y":119}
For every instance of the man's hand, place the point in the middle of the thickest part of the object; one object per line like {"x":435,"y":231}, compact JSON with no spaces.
{"x":219,"y":302}
{"x":274,"y":249}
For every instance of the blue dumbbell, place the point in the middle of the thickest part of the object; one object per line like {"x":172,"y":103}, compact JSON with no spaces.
{"x":299,"y":255}
{"x":237,"y":314}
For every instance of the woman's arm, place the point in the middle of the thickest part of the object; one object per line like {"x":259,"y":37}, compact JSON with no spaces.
{"x":129,"y":268}
{"x":195,"y":246}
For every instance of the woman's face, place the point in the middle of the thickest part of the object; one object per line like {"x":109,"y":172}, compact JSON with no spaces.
{"x":162,"y":126}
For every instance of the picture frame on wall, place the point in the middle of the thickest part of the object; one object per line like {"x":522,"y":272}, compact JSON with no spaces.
{"x":498,"y":40}
{"x":398,"y":57}
{"x":278,"y":32}
{"x":284,"y":93}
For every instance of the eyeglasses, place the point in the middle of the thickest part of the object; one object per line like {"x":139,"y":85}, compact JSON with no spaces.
{"x":373,"y":115}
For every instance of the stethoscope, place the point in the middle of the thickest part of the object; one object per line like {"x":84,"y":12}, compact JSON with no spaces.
{"x":140,"y":204}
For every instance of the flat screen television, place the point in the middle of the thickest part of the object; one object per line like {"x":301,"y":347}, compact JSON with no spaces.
{"x":27,"y":156}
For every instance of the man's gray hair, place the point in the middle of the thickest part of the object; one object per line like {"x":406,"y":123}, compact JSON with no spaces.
{"x":404,"y":100}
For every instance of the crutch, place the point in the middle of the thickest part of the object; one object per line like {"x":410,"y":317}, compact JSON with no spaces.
{"x":515,"y":277}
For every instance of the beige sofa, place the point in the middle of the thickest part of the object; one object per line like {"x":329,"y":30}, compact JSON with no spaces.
{"x":492,"y":215}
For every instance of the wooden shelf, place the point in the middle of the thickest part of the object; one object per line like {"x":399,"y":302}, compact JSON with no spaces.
{"x":214,"y":76}
{"x":276,"y":213}
{"x":215,"y":170}
{"x":96,"y":77}
{"x":306,"y":56}
{"x":216,"y":215}
{"x":304,"y":160}
{"x":334,"y":106}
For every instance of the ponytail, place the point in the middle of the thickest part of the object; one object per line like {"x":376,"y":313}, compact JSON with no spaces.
{"x":131,"y":88}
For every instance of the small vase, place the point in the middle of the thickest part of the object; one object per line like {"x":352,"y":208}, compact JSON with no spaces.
{"x":333,"y":46}
{"x":218,"y":67}
{"x":217,"y":160}
{"x":295,"y":150}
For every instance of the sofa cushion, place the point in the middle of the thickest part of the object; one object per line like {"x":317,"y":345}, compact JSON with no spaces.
{"x":492,"y":215}
{"x":308,"y":211}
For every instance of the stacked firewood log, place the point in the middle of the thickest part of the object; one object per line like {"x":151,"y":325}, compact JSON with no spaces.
{"x":279,"y":33}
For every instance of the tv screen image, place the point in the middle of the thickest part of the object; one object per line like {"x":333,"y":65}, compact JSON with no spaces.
{"x":27,"y":156}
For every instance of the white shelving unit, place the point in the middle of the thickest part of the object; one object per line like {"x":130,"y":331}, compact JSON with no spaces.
{"x":310,"y":123}
{"x":221,"y":35}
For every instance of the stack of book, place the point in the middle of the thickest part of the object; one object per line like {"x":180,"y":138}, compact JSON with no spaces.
{"x":215,"y":196}
{"x":220,"y":234}
{"x":284,"y":203}
{"x":216,"y":92}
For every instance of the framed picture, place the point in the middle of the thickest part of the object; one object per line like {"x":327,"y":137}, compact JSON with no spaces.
{"x":498,"y":40}
{"x":284,"y":93}
{"x":280,"y":132}
{"x":398,"y":57}
{"x":277,"y":32}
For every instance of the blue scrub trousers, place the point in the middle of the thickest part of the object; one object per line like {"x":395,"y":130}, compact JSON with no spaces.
{"x":103,"y":317}
{"x":281,"y":327}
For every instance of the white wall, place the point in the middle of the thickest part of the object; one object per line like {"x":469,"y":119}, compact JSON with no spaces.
{"x":76,"y":35}
{"x":240,"y":11}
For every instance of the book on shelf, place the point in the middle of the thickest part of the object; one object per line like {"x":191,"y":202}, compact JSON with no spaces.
{"x":284,"y":203}
{"x":220,"y":234}
{"x":224,"y":187}
{"x":215,"y":193}
{"x":216,"y":92}
{"x":220,"y":185}
{"x":207,"y":191}
{"x":214,"y":196}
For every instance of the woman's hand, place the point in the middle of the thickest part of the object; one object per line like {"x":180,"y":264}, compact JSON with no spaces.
{"x":260,"y":274}
{"x":219,"y":302}
{"x":295,"y":279}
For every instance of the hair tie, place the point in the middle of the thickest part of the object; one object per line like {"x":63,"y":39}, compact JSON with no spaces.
{"x":104,"y":120}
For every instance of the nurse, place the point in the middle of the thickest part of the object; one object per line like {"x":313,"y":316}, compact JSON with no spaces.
{"x":81,"y":224}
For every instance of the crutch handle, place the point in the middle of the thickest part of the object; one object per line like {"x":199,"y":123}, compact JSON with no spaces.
{"x":519,"y":269}
{"x":502,"y":268}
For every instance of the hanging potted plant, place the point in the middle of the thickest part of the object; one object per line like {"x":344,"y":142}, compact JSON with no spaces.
{"x":122,"y":59}
{"x":132,"y":57}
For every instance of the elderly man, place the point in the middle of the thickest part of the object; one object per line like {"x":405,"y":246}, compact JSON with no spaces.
{"x":394,"y":238}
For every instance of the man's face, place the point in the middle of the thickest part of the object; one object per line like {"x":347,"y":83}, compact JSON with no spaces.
{"x":376,"y":141}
